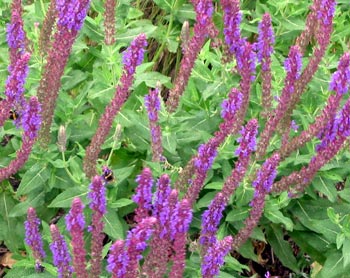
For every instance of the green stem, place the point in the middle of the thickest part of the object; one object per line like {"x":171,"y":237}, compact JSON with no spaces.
{"x":67,"y":170}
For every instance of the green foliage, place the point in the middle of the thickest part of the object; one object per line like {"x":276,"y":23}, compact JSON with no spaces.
{"x":317,"y":221}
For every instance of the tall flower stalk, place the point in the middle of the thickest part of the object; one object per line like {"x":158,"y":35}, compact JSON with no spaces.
{"x":132,"y":57}
{"x":71,"y":15}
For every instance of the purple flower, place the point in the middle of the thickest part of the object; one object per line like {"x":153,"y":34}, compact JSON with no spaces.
{"x":294,"y":126}
{"x":231,"y":105}
{"x":266,"y":174}
{"x":33,"y":237}
{"x":97,"y":195}
{"x":143,"y":196}
{"x":133,"y":56}
{"x":206,"y":156}
{"x":214,"y":258}
{"x":293,"y":63}
{"x":266,"y":39}
{"x":71,"y":14}
{"x":116,"y":259}
{"x":75,"y":224}
{"x":232,"y":21}
{"x":204,"y":11}
{"x":181,"y":218}
{"x":211,"y":219}
{"x":61,"y":256}
{"x":340,"y":81}
{"x":161,"y":197}
{"x":15,"y":33}
{"x":247,"y":143}
{"x":152,"y":104}
{"x":326,"y":11}
{"x":246,"y":61}
{"x":16,"y":80}
{"x":31,"y":119}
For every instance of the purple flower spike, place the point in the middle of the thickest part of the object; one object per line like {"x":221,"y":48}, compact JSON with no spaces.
{"x":33,"y":237}
{"x":135,"y":244}
{"x":266,"y":39}
{"x":204,"y":11}
{"x":293,"y":63}
{"x":116,"y":260}
{"x":152,"y":104}
{"x":231,"y":105}
{"x":247,"y":143}
{"x":211,"y":219}
{"x":71,"y":14}
{"x":31,"y":119}
{"x":340,"y":81}
{"x":133,"y":56}
{"x":98,"y":205}
{"x":232,"y":21}
{"x":206,"y":156}
{"x":75,"y":224}
{"x":326,"y":11}
{"x":181,"y":218}
{"x":61,"y":256}
{"x":161,"y":197}
{"x":267,"y":174}
{"x":16,"y":80}
{"x":214,"y":258}
{"x":97,"y":195}
{"x":143,"y":196}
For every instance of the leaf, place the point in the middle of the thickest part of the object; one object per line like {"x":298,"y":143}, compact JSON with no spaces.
{"x":33,"y":200}
{"x":237,"y":214}
{"x":281,"y":247}
{"x":113,"y":225}
{"x":346,"y":252}
{"x":65,"y":199}
{"x":166,"y":5}
{"x":169,"y":142}
{"x":123,"y":202}
{"x":333,"y":266}
{"x":34,"y":178}
{"x":277,"y":217}
{"x":326,"y":187}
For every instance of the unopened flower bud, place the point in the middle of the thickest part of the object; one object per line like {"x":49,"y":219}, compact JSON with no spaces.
{"x":62,"y":139}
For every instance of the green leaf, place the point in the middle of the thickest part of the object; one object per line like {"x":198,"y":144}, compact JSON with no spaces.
{"x":277,"y":217}
{"x":166,"y":5}
{"x":237,"y":214}
{"x":113,"y":225}
{"x":326,"y":187}
{"x":123,"y":202}
{"x":333,"y":266}
{"x":35,"y":199}
{"x":281,"y":247}
{"x":65,"y":199}
{"x":34,"y":178}
{"x":346,"y":252}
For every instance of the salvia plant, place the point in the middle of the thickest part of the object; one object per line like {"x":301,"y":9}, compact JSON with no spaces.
{"x":240,"y":154}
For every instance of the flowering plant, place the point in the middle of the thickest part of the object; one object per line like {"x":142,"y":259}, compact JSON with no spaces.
{"x":224,"y":185}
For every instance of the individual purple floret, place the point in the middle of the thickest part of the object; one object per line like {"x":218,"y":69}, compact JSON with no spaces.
{"x":75,"y":224}
{"x":152,"y":104}
{"x":60,"y":252}
{"x":31,"y":120}
{"x":214,"y":258}
{"x":340,"y":81}
{"x":71,"y":14}
{"x":143,"y":195}
{"x":33,"y":237}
